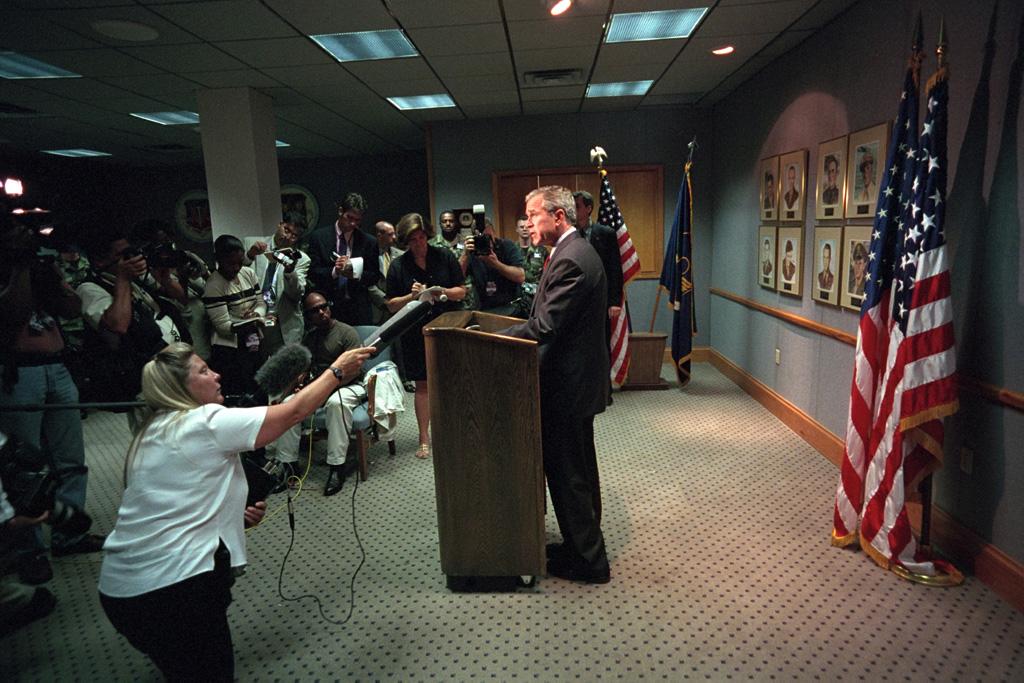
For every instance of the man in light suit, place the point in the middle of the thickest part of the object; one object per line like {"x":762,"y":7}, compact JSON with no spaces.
{"x":388,"y":253}
{"x":567,"y":321}
{"x":282,"y":279}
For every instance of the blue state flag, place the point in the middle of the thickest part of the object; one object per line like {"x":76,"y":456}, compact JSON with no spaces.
{"x":677,"y":279}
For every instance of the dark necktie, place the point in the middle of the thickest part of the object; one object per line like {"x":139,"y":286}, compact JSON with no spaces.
{"x":343,"y":250}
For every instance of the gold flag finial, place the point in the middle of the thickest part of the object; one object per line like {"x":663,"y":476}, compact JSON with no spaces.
{"x":918,"y":44}
{"x":597,"y":157}
{"x":940,"y":49}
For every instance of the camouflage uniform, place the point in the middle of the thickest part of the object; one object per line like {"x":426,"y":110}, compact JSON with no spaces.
{"x":533,"y":265}
{"x":74,"y":273}
{"x":471,"y":301}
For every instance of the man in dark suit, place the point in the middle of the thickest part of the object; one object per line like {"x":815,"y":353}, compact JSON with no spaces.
{"x":567,"y":321}
{"x":333,"y":250}
{"x":606,"y":242}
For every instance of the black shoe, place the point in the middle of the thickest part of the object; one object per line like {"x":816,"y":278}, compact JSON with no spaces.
{"x":570,"y":571}
{"x":90,"y":543}
{"x":35,"y":571}
{"x":335,"y":480}
{"x":41,"y":604}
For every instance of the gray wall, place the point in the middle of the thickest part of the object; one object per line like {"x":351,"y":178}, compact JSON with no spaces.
{"x":843,"y":79}
{"x":466,"y":153}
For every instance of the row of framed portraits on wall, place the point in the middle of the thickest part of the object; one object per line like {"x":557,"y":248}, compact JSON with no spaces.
{"x":849,"y":170}
{"x":840,"y":262}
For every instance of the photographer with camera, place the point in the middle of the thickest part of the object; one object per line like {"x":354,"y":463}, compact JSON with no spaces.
{"x":19,"y":604}
{"x":154,"y":238}
{"x":282,"y":269}
{"x":496,"y":266}
{"x":128,"y":315}
{"x":179,"y":540}
{"x":33,"y":295}
{"x":450,"y":237}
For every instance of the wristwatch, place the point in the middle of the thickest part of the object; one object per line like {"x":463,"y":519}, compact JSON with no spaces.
{"x":338,"y":374}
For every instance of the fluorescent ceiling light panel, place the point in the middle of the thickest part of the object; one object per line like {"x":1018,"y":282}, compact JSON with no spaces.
{"x":633,"y":26}
{"x":14,"y":65}
{"x":624,"y":89}
{"x":438,"y":101}
{"x":363,"y":45}
{"x":77,"y":153}
{"x":281,"y":143}
{"x":168,"y":118}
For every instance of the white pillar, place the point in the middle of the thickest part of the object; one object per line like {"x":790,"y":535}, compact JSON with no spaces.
{"x":238,"y":134}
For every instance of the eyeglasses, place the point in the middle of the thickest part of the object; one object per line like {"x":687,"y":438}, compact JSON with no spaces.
{"x":316,"y":309}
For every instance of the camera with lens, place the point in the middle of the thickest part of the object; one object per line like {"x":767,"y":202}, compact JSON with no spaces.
{"x":482,"y":243}
{"x":31,"y":487}
{"x":164,"y":255}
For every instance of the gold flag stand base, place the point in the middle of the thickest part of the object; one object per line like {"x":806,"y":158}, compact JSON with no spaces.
{"x":948,"y":576}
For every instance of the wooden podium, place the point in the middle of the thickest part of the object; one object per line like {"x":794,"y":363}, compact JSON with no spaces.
{"x":488,"y":471}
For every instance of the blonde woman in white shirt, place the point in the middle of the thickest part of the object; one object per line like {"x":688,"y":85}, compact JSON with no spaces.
{"x":165,"y":582}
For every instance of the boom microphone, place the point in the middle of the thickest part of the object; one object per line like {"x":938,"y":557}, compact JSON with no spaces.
{"x":284,"y":369}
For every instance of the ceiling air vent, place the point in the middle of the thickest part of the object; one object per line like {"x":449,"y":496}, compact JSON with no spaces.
{"x":552,"y":77}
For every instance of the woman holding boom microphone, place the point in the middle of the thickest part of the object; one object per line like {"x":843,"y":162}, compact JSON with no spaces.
{"x":166,"y":578}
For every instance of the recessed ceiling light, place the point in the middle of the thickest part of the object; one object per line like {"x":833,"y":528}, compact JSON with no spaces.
{"x":623,"y":89}
{"x":557,"y":7}
{"x":77,"y":153}
{"x":724,"y":50}
{"x":125,"y":30}
{"x":439,"y":101}
{"x":168,"y":118}
{"x":14,"y":65}
{"x":663,"y":25}
{"x":363,"y":45}
{"x":281,"y":143}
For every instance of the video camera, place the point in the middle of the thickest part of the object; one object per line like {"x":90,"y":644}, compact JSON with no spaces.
{"x":31,"y":487}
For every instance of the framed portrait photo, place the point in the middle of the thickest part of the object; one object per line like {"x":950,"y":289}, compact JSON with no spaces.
{"x":768,"y":178}
{"x":789,"y":257}
{"x":766,"y":256}
{"x":830,"y":183}
{"x":793,"y":185}
{"x":856,"y":246}
{"x":866,"y":161}
{"x":828,"y":245}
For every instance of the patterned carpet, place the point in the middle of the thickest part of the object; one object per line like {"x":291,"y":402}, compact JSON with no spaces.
{"x":716,"y":520}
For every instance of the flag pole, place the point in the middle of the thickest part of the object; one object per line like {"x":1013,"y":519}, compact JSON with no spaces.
{"x":925,"y":487}
{"x":691,"y":147}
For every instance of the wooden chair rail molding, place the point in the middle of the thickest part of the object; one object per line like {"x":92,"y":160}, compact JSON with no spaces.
{"x":998,"y":395}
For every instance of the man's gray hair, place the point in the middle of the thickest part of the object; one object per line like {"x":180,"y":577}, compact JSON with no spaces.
{"x":556,"y":197}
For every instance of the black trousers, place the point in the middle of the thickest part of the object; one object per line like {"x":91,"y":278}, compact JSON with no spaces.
{"x":570,"y":465}
{"x":183,"y":627}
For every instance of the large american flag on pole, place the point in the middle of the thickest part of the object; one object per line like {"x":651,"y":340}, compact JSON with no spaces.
{"x":609,"y":214}
{"x":904,"y":369}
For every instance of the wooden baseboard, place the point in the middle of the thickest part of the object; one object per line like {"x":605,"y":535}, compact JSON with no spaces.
{"x":699,"y":354}
{"x":967,"y":550}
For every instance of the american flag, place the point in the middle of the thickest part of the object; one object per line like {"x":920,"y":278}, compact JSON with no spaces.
{"x":609,"y":214}
{"x":904,"y":369}
{"x":677,"y":279}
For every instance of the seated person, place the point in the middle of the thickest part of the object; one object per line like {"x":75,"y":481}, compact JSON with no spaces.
{"x":327,"y":339}
{"x":498,"y":275}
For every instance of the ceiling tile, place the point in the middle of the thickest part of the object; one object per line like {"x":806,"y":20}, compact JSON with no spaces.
{"x":80,"y":20}
{"x":556,"y":58}
{"x":421,"y":86}
{"x":669,"y":100}
{"x":615,"y":73}
{"x":489,"y":111}
{"x":374,"y":72}
{"x":610,"y":103}
{"x":227,"y":19}
{"x":239,"y":78}
{"x":96,"y":63}
{"x":537,"y":10}
{"x":822,"y":13}
{"x":82,"y":89}
{"x":557,"y":92}
{"x":417,"y":13}
{"x":435,"y":42}
{"x":22,"y":31}
{"x":317,"y":75}
{"x":531,"y":35}
{"x":474,"y":87}
{"x":472,"y":65}
{"x":644,"y":52}
{"x":335,"y":16}
{"x":185,"y":58}
{"x":154,"y":85}
{"x":277,"y":52}
{"x":551,"y":107}
{"x":739,"y":19}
